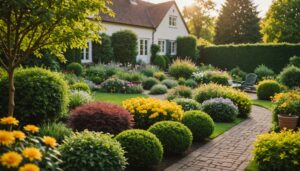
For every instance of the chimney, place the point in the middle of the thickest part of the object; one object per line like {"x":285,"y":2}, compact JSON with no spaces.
{"x":133,"y":2}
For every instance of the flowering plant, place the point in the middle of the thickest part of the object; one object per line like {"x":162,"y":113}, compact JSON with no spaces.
{"x":115,"y":85}
{"x":25,"y":151}
{"x":147,"y":111}
{"x":287,"y":103}
{"x":214,"y":76}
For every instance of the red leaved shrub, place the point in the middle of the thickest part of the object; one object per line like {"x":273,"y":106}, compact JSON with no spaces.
{"x":100,"y":117}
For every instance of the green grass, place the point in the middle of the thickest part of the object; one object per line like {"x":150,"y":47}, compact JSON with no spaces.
{"x":263,"y":103}
{"x":115,"y":98}
{"x":220,"y":128}
{"x":252,"y":166}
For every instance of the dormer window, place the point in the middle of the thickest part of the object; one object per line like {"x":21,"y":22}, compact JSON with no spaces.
{"x":172,"y":21}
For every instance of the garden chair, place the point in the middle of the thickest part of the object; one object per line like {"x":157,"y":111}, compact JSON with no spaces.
{"x":248,"y":84}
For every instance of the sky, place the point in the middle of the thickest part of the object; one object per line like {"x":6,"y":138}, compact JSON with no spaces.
{"x":262,"y":5}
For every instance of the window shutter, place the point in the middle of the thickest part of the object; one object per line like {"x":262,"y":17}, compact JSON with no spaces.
{"x":168,"y":52}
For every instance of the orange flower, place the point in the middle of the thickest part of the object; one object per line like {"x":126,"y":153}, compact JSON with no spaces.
{"x":6,"y":138}
{"x":31,"y":128}
{"x":11,"y":159}
{"x":19,"y":135}
{"x":32,"y":153}
{"x":50,"y":141}
{"x":9,"y":121}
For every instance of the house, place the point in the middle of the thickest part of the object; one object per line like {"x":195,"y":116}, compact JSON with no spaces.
{"x":152,"y":23}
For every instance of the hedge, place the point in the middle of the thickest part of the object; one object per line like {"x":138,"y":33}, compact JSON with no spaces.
{"x":249,"y":56}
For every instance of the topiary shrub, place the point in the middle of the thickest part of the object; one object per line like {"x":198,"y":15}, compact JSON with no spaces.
{"x":41,"y":95}
{"x":200,"y":124}
{"x":182,"y":68}
{"x":187,"y":47}
{"x":159,"y":89}
{"x":89,"y":150}
{"x":170,"y":83}
{"x":147,"y":111}
{"x":238,"y":74}
{"x":96,"y":74}
{"x":124,"y":44}
{"x":290,"y":76}
{"x":295,"y":60}
{"x":240,"y":99}
{"x":143,"y":149}
{"x":149,"y":70}
{"x":78,"y":98}
{"x":160,"y":61}
{"x":75,"y":68}
{"x":57,"y":130}
{"x":160,"y":76}
{"x":278,"y":151}
{"x":100,"y":117}
{"x":191,"y":83}
{"x":220,"y":109}
{"x":154,"y":51}
{"x":266,"y":89}
{"x":263,"y":71}
{"x":179,"y":92}
{"x":148,"y":83}
{"x":102,"y":52}
{"x":188,"y":104}
{"x":81,"y":86}
{"x":215,"y":76}
{"x":175,"y":137}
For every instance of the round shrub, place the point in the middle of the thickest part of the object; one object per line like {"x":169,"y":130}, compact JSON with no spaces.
{"x":170,"y":83}
{"x":149,"y":70}
{"x":181,"y":81}
{"x":147,"y":111}
{"x":96,"y":74}
{"x":134,"y":89}
{"x":57,"y":130}
{"x":78,"y":98}
{"x":237,"y":74}
{"x":263,"y":71}
{"x":266,"y":89}
{"x":240,"y":99}
{"x":154,"y":49}
{"x":175,"y":137}
{"x":179,"y":92}
{"x":41,"y":95}
{"x":182,"y":68}
{"x":114,"y":85}
{"x":81,"y":86}
{"x":188,"y":104}
{"x":160,"y":61}
{"x":295,"y":60}
{"x":75,"y":68}
{"x":200,"y":124}
{"x":143,"y":149}
{"x":214,"y":76}
{"x":290,"y":76}
{"x":71,"y":78}
{"x":191,"y":83}
{"x":100,"y":117}
{"x":89,"y":150}
{"x":148,"y":83}
{"x":159,"y":89}
{"x":160,"y":76}
{"x":220,"y":109}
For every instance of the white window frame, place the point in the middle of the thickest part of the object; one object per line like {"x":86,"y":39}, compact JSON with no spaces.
{"x":172,"y":21}
{"x":173,"y":47}
{"x":143,"y":47}
{"x":162,"y":44}
{"x":87,"y":53}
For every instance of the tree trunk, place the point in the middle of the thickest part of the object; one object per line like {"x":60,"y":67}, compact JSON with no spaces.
{"x":11,"y":97}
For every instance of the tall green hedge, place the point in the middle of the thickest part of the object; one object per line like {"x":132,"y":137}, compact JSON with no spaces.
{"x":249,"y":56}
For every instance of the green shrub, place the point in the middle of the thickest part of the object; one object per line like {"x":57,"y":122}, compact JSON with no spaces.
{"x":115,"y":85}
{"x":220,"y":109}
{"x":266,"y":89}
{"x":2,"y":72}
{"x":278,"y":151}
{"x":295,"y":60}
{"x":187,"y":47}
{"x":96,"y":74}
{"x":160,"y":61}
{"x":143,"y":149}
{"x":130,"y":76}
{"x":175,"y":137}
{"x":149,"y":70}
{"x":263,"y":71}
{"x":75,"y":68}
{"x":237,"y":74}
{"x":181,"y":81}
{"x":89,"y":150}
{"x":102,"y":52}
{"x":124,"y":44}
{"x":135,"y":89}
{"x":191,"y":83}
{"x":170,"y":83}
{"x":148,"y":83}
{"x":168,"y":60}
{"x":182,"y":68}
{"x":57,"y":130}
{"x":78,"y":98}
{"x":71,"y":78}
{"x":215,"y":76}
{"x":41,"y":95}
{"x":290,"y":76}
{"x":159,"y":89}
{"x":188,"y":104}
{"x":200,"y":124}
{"x":154,"y":51}
{"x":240,"y":99}
{"x":179,"y":92}
{"x":81,"y":86}
{"x":160,"y":75}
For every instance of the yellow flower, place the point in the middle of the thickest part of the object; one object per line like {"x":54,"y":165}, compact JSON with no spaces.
{"x":283,"y":105}
{"x":19,"y":135}
{"x":9,"y":121}
{"x":6,"y":138}
{"x":11,"y":159}
{"x":32,"y":153}
{"x":50,"y":141}
{"x":29,"y":167}
{"x":31,"y":128}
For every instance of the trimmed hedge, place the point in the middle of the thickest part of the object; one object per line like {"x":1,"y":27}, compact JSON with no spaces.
{"x":249,"y":56}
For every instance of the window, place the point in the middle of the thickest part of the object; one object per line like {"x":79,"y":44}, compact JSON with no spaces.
{"x":173,"y":47}
{"x":87,"y":53}
{"x":162,"y":44}
{"x":143,"y":47}
{"x":172,"y":21}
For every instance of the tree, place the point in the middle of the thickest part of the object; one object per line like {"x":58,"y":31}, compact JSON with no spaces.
{"x":103,"y":52}
{"x":238,"y":22}
{"x":199,"y":18}
{"x":27,"y":27}
{"x":282,"y":22}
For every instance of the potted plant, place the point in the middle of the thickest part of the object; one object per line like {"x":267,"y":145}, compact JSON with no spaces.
{"x":287,"y":108}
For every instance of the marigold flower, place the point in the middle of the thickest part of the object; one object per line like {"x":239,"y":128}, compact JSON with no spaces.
{"x":32,"y":153}
{"x":19,"y":135}
{"x":11,"y":159}
{"x":29,"y":167}
{"x":50,"y":141}
{"x":6,"y":138}
{"x":31,"y":128}
{"x":9,"y":121}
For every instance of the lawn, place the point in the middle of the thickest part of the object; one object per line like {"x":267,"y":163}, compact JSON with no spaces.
{"x":220,"y":128}
{"x":263,"y":103}
{"x":115,"y":98}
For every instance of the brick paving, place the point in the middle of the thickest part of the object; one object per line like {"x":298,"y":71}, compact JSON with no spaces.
{"x":229,"y":151}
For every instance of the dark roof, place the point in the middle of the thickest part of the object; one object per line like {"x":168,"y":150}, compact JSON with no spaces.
{"x":143,"y":14}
